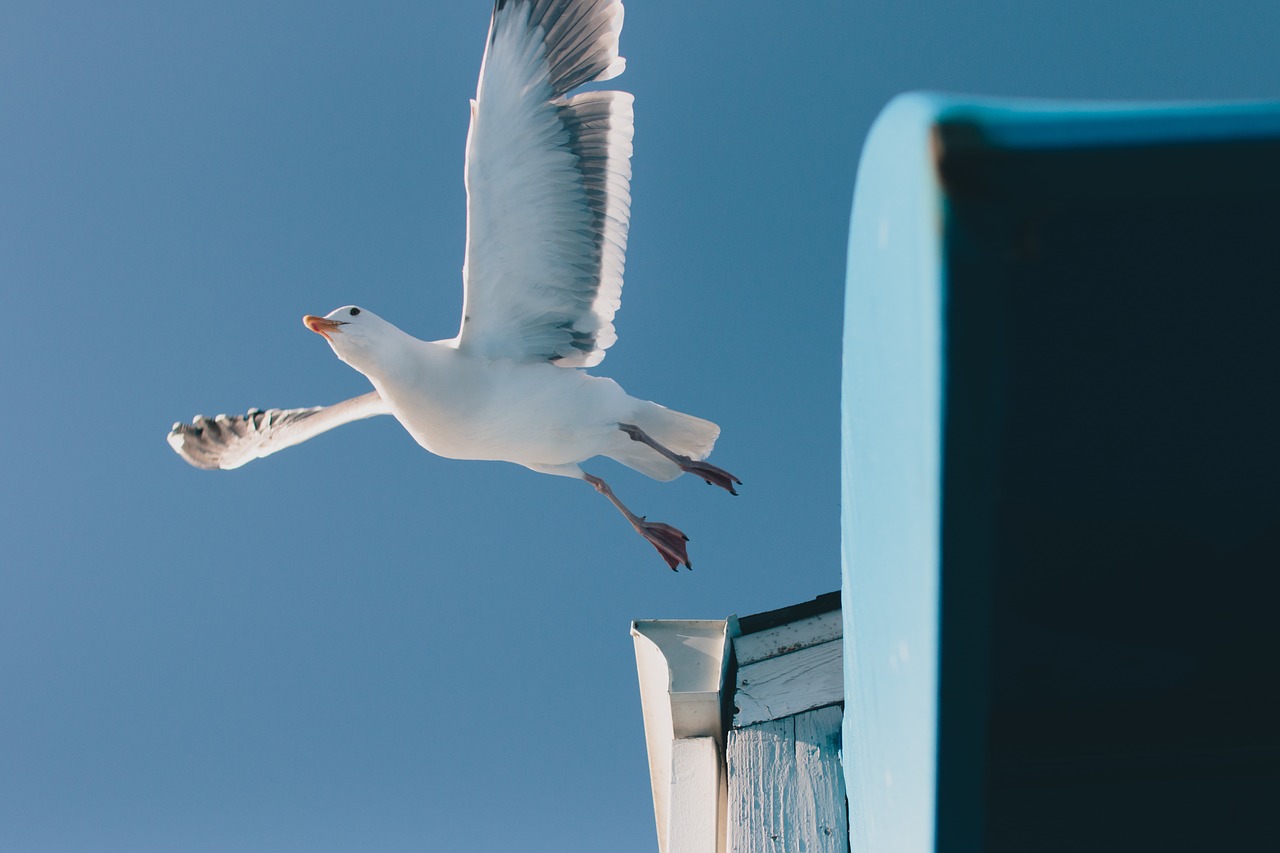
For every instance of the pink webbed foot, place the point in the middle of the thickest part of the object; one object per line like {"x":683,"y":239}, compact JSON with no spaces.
{"x":705,"y":470}
{"x":668,"y":540}
{"x":714,"y":476}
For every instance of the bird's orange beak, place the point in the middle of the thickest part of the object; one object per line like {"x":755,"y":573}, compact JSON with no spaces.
{"x":321,"y":326}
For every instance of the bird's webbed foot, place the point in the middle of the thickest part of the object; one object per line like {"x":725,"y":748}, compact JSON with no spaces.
{"x":669,"y":541}
{"x":712,"y":475}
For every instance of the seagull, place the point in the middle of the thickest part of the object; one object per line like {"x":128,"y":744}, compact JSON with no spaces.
{"x":548,"y":209}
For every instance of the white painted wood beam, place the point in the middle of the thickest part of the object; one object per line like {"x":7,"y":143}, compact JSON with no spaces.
{"x":788,"y":684}
{"x":790,"y":637}
{"x":697,"y":797}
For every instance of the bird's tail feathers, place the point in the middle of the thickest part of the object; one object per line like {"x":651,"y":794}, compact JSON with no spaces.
{"x":680,"y":433}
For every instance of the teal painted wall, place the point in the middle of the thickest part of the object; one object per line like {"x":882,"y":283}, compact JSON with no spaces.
{"x":1061,"y":488}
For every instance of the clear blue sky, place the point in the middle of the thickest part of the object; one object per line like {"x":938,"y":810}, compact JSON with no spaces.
{"x":354,"y":645}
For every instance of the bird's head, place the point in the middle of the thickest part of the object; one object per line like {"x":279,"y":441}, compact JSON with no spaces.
{"x":358,"y":337}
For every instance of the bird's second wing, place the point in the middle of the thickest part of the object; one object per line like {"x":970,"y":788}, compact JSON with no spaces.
{"x":231,"y":441}
{"x":548,"y":185}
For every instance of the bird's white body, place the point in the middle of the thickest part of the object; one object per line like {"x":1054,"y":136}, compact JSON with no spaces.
{"x":463,"y":405}
{"x":530,"y":414}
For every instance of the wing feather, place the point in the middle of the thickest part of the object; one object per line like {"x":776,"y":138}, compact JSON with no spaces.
{"x":548,"y":185}
{"x":229,"y":441}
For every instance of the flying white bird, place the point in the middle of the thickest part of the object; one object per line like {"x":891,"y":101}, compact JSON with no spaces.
{"x":548,"y":208}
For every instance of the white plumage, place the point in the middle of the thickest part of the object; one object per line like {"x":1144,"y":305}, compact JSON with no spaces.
{"x":548,"y":207}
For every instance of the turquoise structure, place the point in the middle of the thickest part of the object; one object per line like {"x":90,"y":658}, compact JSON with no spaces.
{"x":1061,"y":477}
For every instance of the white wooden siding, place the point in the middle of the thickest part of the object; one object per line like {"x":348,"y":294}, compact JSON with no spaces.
{"x":786,"y":786}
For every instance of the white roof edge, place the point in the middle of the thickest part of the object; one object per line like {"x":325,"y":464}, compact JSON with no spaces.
{"x":682,"y":665}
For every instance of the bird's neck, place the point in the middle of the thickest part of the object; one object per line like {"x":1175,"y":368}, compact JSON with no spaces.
{"x":384,"y":355}
{"x":404,"y":358}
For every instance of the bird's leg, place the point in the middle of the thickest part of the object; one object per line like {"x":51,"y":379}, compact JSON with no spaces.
{"x":710,"y":473}
{"x":668,"y":540}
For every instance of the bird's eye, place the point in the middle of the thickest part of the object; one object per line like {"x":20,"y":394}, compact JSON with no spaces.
{"x":354,"y":311}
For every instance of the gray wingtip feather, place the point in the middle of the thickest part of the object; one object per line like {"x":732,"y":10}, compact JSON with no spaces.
{"x":581,"y":38}
{"x":190,"y":442}
{"x":229,"y":441}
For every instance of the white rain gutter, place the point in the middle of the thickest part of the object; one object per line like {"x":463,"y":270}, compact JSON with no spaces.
{"x":682,"y":667}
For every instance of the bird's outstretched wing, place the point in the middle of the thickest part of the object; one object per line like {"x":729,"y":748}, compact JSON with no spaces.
{"x":548,"y":185}
{"x":231,"y":441}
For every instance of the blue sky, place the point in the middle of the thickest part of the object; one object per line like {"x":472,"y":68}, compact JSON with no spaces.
{"x":355,"y":645}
